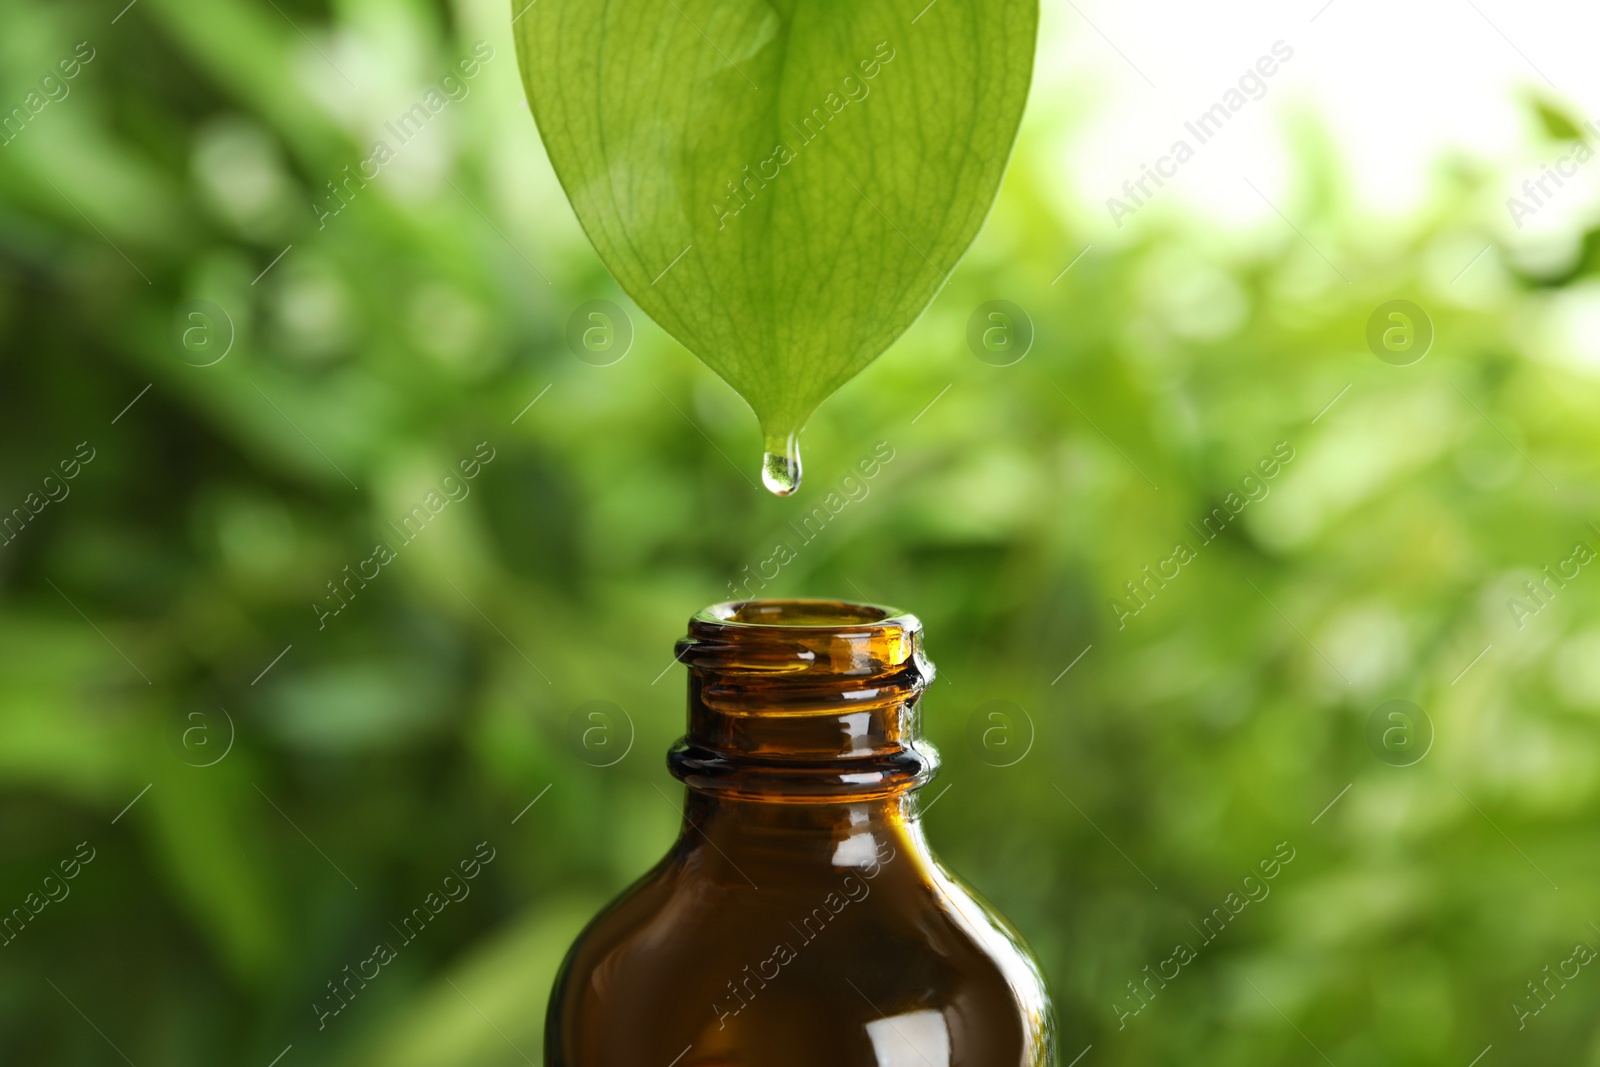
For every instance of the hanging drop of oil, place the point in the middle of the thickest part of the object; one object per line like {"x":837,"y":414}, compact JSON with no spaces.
{"x":780,"y":465}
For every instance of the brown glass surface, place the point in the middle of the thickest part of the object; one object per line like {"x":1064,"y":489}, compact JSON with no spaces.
{"x":800,"y":919}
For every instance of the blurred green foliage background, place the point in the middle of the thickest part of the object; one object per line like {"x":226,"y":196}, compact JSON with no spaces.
{"x":158,"y":607}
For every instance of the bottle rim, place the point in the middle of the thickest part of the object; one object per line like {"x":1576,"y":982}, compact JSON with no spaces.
{"x":810,"y":614}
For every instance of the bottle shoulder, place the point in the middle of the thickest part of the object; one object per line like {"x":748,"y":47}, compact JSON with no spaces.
{"x":851,"y":963}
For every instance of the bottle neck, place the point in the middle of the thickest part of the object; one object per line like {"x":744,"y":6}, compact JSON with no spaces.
{"x":804,"y":702}
{"x":755,"y":841}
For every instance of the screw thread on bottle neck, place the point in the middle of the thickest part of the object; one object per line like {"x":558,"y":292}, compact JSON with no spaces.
{"x":804,"y":699}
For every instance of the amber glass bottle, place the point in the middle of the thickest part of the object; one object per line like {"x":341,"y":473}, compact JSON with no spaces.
{"x":800,"y":919}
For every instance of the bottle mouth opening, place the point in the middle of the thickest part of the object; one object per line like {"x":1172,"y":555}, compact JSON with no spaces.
{"x":805,"y":614}
{"x":821,"y":638}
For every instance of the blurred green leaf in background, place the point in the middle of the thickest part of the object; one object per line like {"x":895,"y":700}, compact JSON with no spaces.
{"x":276,"y":739}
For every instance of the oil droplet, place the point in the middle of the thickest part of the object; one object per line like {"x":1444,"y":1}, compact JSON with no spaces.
{"x":780,"y":466}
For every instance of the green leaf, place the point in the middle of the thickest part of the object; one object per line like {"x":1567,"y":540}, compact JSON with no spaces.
{"x":782,"y":185}
{"x":1556,"y":122}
